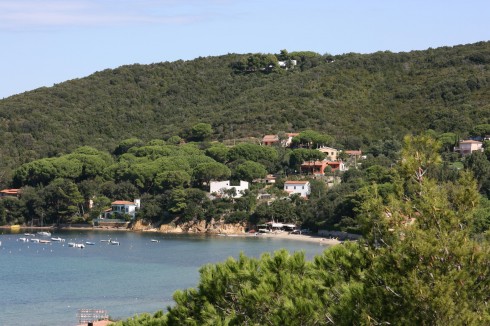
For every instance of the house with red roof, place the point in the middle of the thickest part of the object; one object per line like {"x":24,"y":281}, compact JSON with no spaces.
{"x":297,"y":187}
{"x":318,"y":167}
{"x":269,"y":140}
{"x":120,"y":208}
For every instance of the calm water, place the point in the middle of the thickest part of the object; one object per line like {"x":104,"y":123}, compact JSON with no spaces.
{"x":46,"y":284}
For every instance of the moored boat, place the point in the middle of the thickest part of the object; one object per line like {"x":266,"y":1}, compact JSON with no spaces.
{"x":44,"y":234}
{"x":58,"y":239}
{"x":90,"y":243}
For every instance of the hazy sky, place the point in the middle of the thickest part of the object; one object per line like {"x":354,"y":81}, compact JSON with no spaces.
{"x":50,"y":41}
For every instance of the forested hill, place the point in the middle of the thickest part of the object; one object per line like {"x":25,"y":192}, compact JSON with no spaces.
{"x":355,"y":98}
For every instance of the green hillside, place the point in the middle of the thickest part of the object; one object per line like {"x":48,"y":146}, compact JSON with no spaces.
{"x":355,"y":98}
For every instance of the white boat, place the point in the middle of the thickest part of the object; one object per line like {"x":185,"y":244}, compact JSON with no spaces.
{"x":76,"y":245}
{"x":44,"y":241}
{"x":105,"y":240}
{"x":58,"y":239}
{"x":112,"y":242}
{"x":35,"y":240}
{"x":44,"y":234}
{"x":23,"y":239}
{"x":154,"y":240}
{"x":90,"y":243}
{"x":29,"y":234}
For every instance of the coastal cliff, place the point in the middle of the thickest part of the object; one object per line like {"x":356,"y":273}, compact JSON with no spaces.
{"x":213,"y":227}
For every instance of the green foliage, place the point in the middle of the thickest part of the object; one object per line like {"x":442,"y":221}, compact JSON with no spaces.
{"x":312,"y":139}
{"x":200,"y":132}
{"x":218,"y":152}
{"x":253,"y":152}
{"x":206,"y":172}
{"x":249,"y":171}
{"x":355,"y":98}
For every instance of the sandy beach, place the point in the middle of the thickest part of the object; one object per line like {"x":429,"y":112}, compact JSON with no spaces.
{"x":299,"y":237}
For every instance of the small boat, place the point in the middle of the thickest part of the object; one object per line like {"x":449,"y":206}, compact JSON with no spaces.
{"x":89,"y":243}
{"x":154,"y":240}
{"x":76,"y":245}
{"x":44,"y":241}
{"x":116,"y":243}
{"x":23,"y":239}
{"x":35,"y":240}
{"x":58,"y":239}
{"x":105,"y":240}
{"x":44,"y":234}
{"x":29,"y":234}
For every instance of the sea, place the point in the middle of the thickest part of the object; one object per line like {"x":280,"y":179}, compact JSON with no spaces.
{"x":49,"y":284}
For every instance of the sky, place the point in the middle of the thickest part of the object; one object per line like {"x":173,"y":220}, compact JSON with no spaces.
{"x":45,"y":42}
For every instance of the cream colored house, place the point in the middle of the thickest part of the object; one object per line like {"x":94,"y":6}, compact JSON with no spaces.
{"x":330,"y":153}
{"x":466,"y":147}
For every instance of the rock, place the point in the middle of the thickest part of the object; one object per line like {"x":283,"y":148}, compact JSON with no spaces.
{"x":202,"y":227}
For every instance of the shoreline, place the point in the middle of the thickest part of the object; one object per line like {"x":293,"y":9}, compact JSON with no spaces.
{"x":280,"y":235}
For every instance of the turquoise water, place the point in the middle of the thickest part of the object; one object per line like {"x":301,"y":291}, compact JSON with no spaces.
{"x":46,"y":284}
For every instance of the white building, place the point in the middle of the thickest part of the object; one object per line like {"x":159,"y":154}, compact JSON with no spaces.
{"x":466,"y":147}
{"x":123,"y":207}
{"x":297,"y":187}
{"x":221,"y":187}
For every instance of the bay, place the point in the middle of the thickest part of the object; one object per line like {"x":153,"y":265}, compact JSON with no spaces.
{"x":46,"y":284}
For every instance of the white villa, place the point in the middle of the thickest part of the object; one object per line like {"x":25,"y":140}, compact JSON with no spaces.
{"x":221,"y":187}
{"x":297,"y":187}
{"x":122,"y":207}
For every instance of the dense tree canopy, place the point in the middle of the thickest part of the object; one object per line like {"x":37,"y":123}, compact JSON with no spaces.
{"x":355,"y":98}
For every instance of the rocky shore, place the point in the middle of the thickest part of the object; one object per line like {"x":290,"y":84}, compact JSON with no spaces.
{"x":197,"y":227}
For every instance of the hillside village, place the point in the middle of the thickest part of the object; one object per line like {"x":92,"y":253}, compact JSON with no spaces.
{"x":312,"y":164}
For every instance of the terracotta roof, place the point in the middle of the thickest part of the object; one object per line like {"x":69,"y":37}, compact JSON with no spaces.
{"x":354,"y":152}
{"x":122,"y":202}
{"x":292,"y":134}
{"x":10,"y":191}
{"x":269,"y":138}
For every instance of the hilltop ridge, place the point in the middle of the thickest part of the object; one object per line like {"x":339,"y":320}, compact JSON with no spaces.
{"x":356,"y":98}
